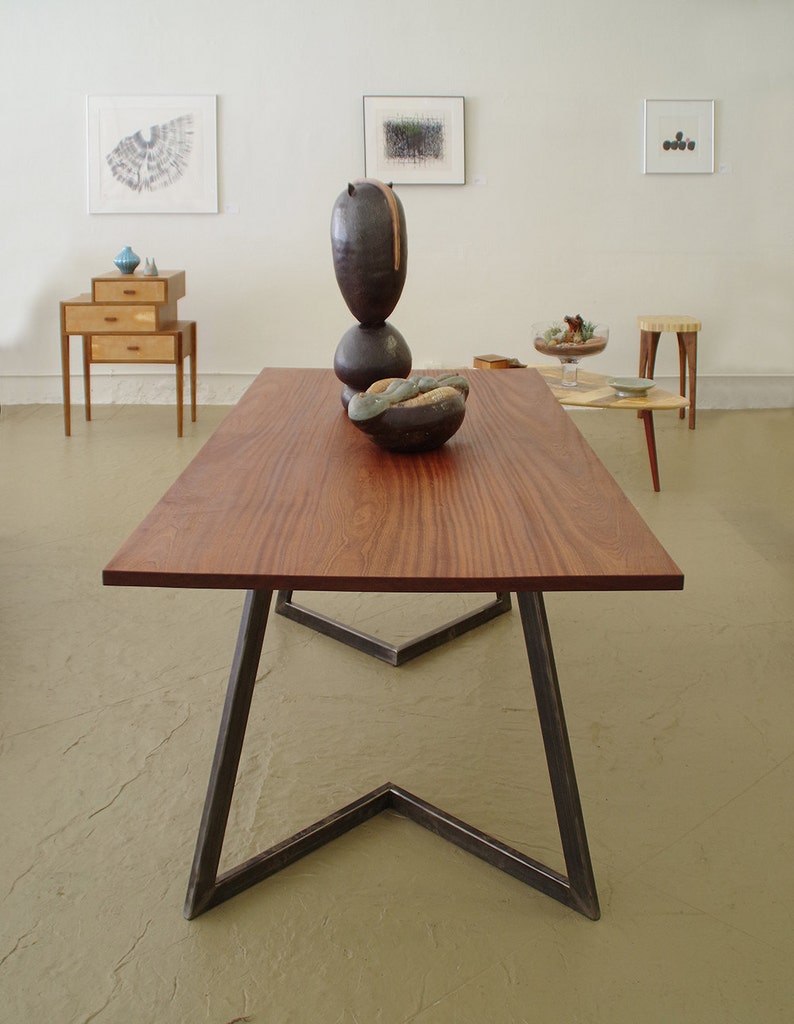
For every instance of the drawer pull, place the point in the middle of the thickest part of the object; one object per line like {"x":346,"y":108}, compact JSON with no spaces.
{"x":111,"y":319}
{"x":133,"y":348}
{"x":130,"y":291}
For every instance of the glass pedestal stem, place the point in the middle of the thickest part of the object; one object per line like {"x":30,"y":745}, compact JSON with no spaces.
{"x":569,"y":372}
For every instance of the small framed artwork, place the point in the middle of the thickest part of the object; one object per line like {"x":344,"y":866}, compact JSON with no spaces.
{"x":152,"y":154}
{"x":679,"y":137}
{"x":414,"y":140}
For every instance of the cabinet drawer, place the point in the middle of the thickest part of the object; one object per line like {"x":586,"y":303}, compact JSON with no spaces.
{"x":150,"y":289}
{"x":132,"y":348}
{"x":166,"y":288}
{"x":88,"y":319}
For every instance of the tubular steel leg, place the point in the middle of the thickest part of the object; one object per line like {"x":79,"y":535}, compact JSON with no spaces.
{"x":203,"y":875}
{"x":582,"y":895}
{"x":207,"y":889}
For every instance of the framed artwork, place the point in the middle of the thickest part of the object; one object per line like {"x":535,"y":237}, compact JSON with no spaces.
{"x":679,"y":137}
{"x":414,"y":140}
{"x":152,"y":154}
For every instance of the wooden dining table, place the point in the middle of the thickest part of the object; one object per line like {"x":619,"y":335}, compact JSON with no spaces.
{"x":287,"y":495}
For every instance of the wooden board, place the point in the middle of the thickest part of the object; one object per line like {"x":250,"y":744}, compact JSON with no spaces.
{"x":288,"y":494}
{"x":593,"y":392}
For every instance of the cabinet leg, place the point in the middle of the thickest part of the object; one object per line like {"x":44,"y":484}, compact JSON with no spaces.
{"x":193,"y":375}
{"x":180,"y":390}
{"x":87,"y":375}
{"x":67,"y":385}
{"x":67,"y":396}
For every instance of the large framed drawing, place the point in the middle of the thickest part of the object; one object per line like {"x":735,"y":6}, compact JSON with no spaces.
{"x":679,"y":137}
{"x":152,"y":154}
{"x":414,"y":140}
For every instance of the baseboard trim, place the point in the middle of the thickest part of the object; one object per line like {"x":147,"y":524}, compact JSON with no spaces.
{"x":119,"y":388}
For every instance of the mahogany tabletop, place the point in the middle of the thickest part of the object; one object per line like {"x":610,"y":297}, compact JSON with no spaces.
{"x":288,"y":495}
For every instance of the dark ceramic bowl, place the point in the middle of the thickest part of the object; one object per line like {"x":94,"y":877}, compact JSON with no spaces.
{"x":418,"y":425}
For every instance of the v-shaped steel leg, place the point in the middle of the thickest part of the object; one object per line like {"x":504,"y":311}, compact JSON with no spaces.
{"x":392,"y":654}
{"x":207,"y":888}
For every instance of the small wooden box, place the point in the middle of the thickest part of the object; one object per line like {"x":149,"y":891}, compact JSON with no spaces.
{"x":492,"y":362}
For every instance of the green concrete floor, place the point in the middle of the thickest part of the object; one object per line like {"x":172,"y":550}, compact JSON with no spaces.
{"x":680,"y":708}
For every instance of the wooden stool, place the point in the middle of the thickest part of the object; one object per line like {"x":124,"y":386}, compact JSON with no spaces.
{"x":686,"y":329}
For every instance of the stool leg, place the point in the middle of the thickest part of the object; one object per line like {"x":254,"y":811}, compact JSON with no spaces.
{"x":649,"y":342}
{"x":688,"y":350}
{"x":681,"y":373}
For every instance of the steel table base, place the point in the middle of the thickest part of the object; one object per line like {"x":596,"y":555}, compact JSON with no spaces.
{"x":206,"y":888}
{"x":393,"y":654}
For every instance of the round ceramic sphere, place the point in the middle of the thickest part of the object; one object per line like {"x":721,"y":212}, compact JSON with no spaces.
{"x":415,"y":415}
{"x":368,"y":354}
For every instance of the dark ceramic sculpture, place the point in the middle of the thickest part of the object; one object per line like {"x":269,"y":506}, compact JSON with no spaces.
{"x":414,"y":415}
{"x":369,"y":247}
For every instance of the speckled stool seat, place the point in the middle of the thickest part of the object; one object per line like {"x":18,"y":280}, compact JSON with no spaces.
{"x":686,"y":329}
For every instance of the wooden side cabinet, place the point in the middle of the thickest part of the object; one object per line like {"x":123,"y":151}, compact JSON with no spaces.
{"x":129,"y":318}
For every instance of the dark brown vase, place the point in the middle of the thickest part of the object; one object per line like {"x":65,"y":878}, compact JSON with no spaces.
{"x":369,"y":245}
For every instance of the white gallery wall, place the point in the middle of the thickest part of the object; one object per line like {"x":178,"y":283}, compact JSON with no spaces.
{"x":556,"y":215}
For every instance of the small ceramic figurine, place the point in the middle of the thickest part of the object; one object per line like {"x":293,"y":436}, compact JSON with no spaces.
{"x":127,"y":260}
{"x":575,"y":323}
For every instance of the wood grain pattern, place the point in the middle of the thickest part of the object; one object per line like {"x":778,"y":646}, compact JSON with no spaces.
{"x":287,"y":494}
{"x":166,"y":288}
{"x":593,"y":392}
{"x":147,"y":348}
{"x":667,"y":322}
{"x":82,"y":316}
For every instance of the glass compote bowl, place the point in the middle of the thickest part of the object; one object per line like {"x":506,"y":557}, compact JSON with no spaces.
{"x":557,"y":338}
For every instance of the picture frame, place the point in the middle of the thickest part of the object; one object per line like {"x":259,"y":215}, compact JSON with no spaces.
{"x":415,"y":140}
{"x":678,"y":137}
{"x":152,"y":154}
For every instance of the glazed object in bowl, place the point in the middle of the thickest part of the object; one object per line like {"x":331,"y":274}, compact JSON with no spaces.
{"x":413,"y":415}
